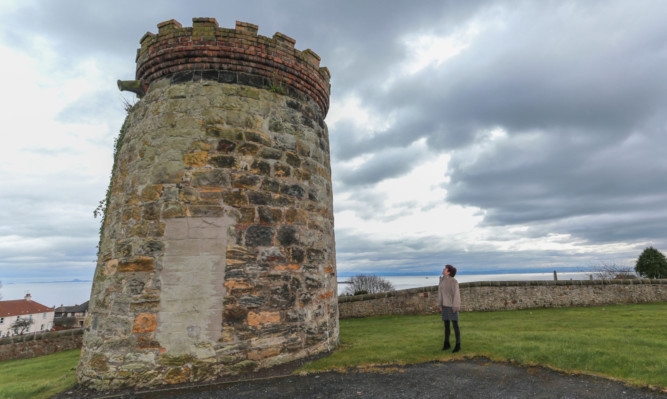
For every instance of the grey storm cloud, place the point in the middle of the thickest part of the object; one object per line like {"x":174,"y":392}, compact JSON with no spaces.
{"x":577,"y":88}
{"x":430,"y":254}
{"x":581,"y":103}
{"x":392,"y":162}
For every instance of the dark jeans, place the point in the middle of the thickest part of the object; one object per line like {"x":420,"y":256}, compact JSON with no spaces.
{"x":457,"y":332}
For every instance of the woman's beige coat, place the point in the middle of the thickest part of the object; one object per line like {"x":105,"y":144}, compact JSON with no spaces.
{"x":448,"y":293}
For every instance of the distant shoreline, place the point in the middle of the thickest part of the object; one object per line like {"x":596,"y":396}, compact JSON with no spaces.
{"x":473,"y":273}
{"x":46,"y":282}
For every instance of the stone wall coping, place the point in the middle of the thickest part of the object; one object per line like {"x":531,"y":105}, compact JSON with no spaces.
{"x":41,"y":336}
{"x":434,"y":288}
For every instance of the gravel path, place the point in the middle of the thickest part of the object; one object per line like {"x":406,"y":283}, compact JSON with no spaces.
{"x":475,"y":378}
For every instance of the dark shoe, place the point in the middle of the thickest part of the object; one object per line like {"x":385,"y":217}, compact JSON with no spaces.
{"x":457,"y":348}
{"x":446,"y":346}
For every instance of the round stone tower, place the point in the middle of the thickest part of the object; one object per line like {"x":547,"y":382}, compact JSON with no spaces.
{"x":217,"y":253}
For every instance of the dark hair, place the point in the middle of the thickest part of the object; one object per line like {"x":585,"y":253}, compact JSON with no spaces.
{"x":451,"y":269}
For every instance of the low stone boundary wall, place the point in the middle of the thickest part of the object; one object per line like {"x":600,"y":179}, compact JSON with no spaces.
{"x":507,"y":295}
{"x":33,"y":345}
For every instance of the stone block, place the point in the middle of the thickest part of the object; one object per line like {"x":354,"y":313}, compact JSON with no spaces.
{"x":151,"y":192}
{"x":257,"y":136}
{"x":224,"y":132}
{"x":259,"y":198}
{"x":137,"y":264}
{"x":262,"y":318}
{"x":246,"y":181}
{"x":235,"y":198}
{"x":270,"y":153}
{"x":258,"y":235}
{"x":211,"y":178}
{"x":223,"y":161}
{"x":281,"y":170}
{"x":144,"y":322}
{"x":196,"y":159}
{"x":268,"y":215}
{"x":177,"y":375}
{"x":239,"y":255}
{"x":226,"y":146}
{"x":248,"y":149}
{"x":288,"y":235}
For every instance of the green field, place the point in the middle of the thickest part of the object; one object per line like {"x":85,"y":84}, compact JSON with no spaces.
{"x":625,"y":342}
{"x":40,"y":377}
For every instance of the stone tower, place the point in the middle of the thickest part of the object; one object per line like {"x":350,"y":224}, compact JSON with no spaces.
{"x":217,"y":253}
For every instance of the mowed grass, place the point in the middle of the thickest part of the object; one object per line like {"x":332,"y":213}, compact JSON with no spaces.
{"x":625,"y":342}
{"x":40,"y":377}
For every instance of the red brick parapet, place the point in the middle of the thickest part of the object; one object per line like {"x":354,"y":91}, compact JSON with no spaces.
{"x":240,"y":55}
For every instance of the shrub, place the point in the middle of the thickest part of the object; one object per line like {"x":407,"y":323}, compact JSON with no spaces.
{"x":368,"y":284}
{"x":612,"y":271}
{"x":652,"y":264}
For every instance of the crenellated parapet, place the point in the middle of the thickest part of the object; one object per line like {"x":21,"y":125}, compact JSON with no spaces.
{"x":207,"y":52}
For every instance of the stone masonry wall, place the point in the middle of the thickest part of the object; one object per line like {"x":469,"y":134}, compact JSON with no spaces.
{"x":217,"y":256}
{"x":33,"y":345}
{"x":507,"y":295}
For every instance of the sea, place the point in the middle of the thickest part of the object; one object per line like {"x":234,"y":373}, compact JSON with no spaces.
{"x":70,"y":293}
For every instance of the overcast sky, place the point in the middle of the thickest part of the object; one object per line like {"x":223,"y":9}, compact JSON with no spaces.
{"x":496,"y":135}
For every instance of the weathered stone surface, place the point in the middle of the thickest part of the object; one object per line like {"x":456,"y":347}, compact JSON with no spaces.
{"x":151,"y":192}
{"x":177,"y":375}
{"x":270,"y":153}
{"x":288,"y":235}
{"x":263,"y":318}
{"x":258,"y":136}
{"x":196,"y":159}
{"x":248,"y":149}
{"x":260,"y":168}
{"x":138,"y":264}
{"x":210,"y":178}
{"x":220,"y":207}
{"x":259,"y":197}
{"x":293,"y":190}
{"x":223,"y":161}
{"x":226,"y":146}
{"x":268,"y":215}
{"x":235,"y":198}
{"x":246,"y":181}
{"x":144,"y":322}
{"x":259,"y":235}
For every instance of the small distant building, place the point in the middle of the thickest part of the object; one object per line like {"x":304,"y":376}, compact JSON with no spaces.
{"x":11,"y":311}
{"x":70,"y":316}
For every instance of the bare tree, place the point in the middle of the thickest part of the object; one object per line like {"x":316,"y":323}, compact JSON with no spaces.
{"x":21,"y":325}
{"x":367,"y":284}
{"x":612,"y":271}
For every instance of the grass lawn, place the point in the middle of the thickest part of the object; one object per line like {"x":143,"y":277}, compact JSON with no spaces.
{"x":626,"y":342}
{"x":40,"y":377}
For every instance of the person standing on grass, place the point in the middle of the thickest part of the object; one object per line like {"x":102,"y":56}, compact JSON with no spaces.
{"x":449,"y":302}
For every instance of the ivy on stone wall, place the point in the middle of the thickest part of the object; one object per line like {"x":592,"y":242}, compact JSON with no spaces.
{"x":101,"y":209}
